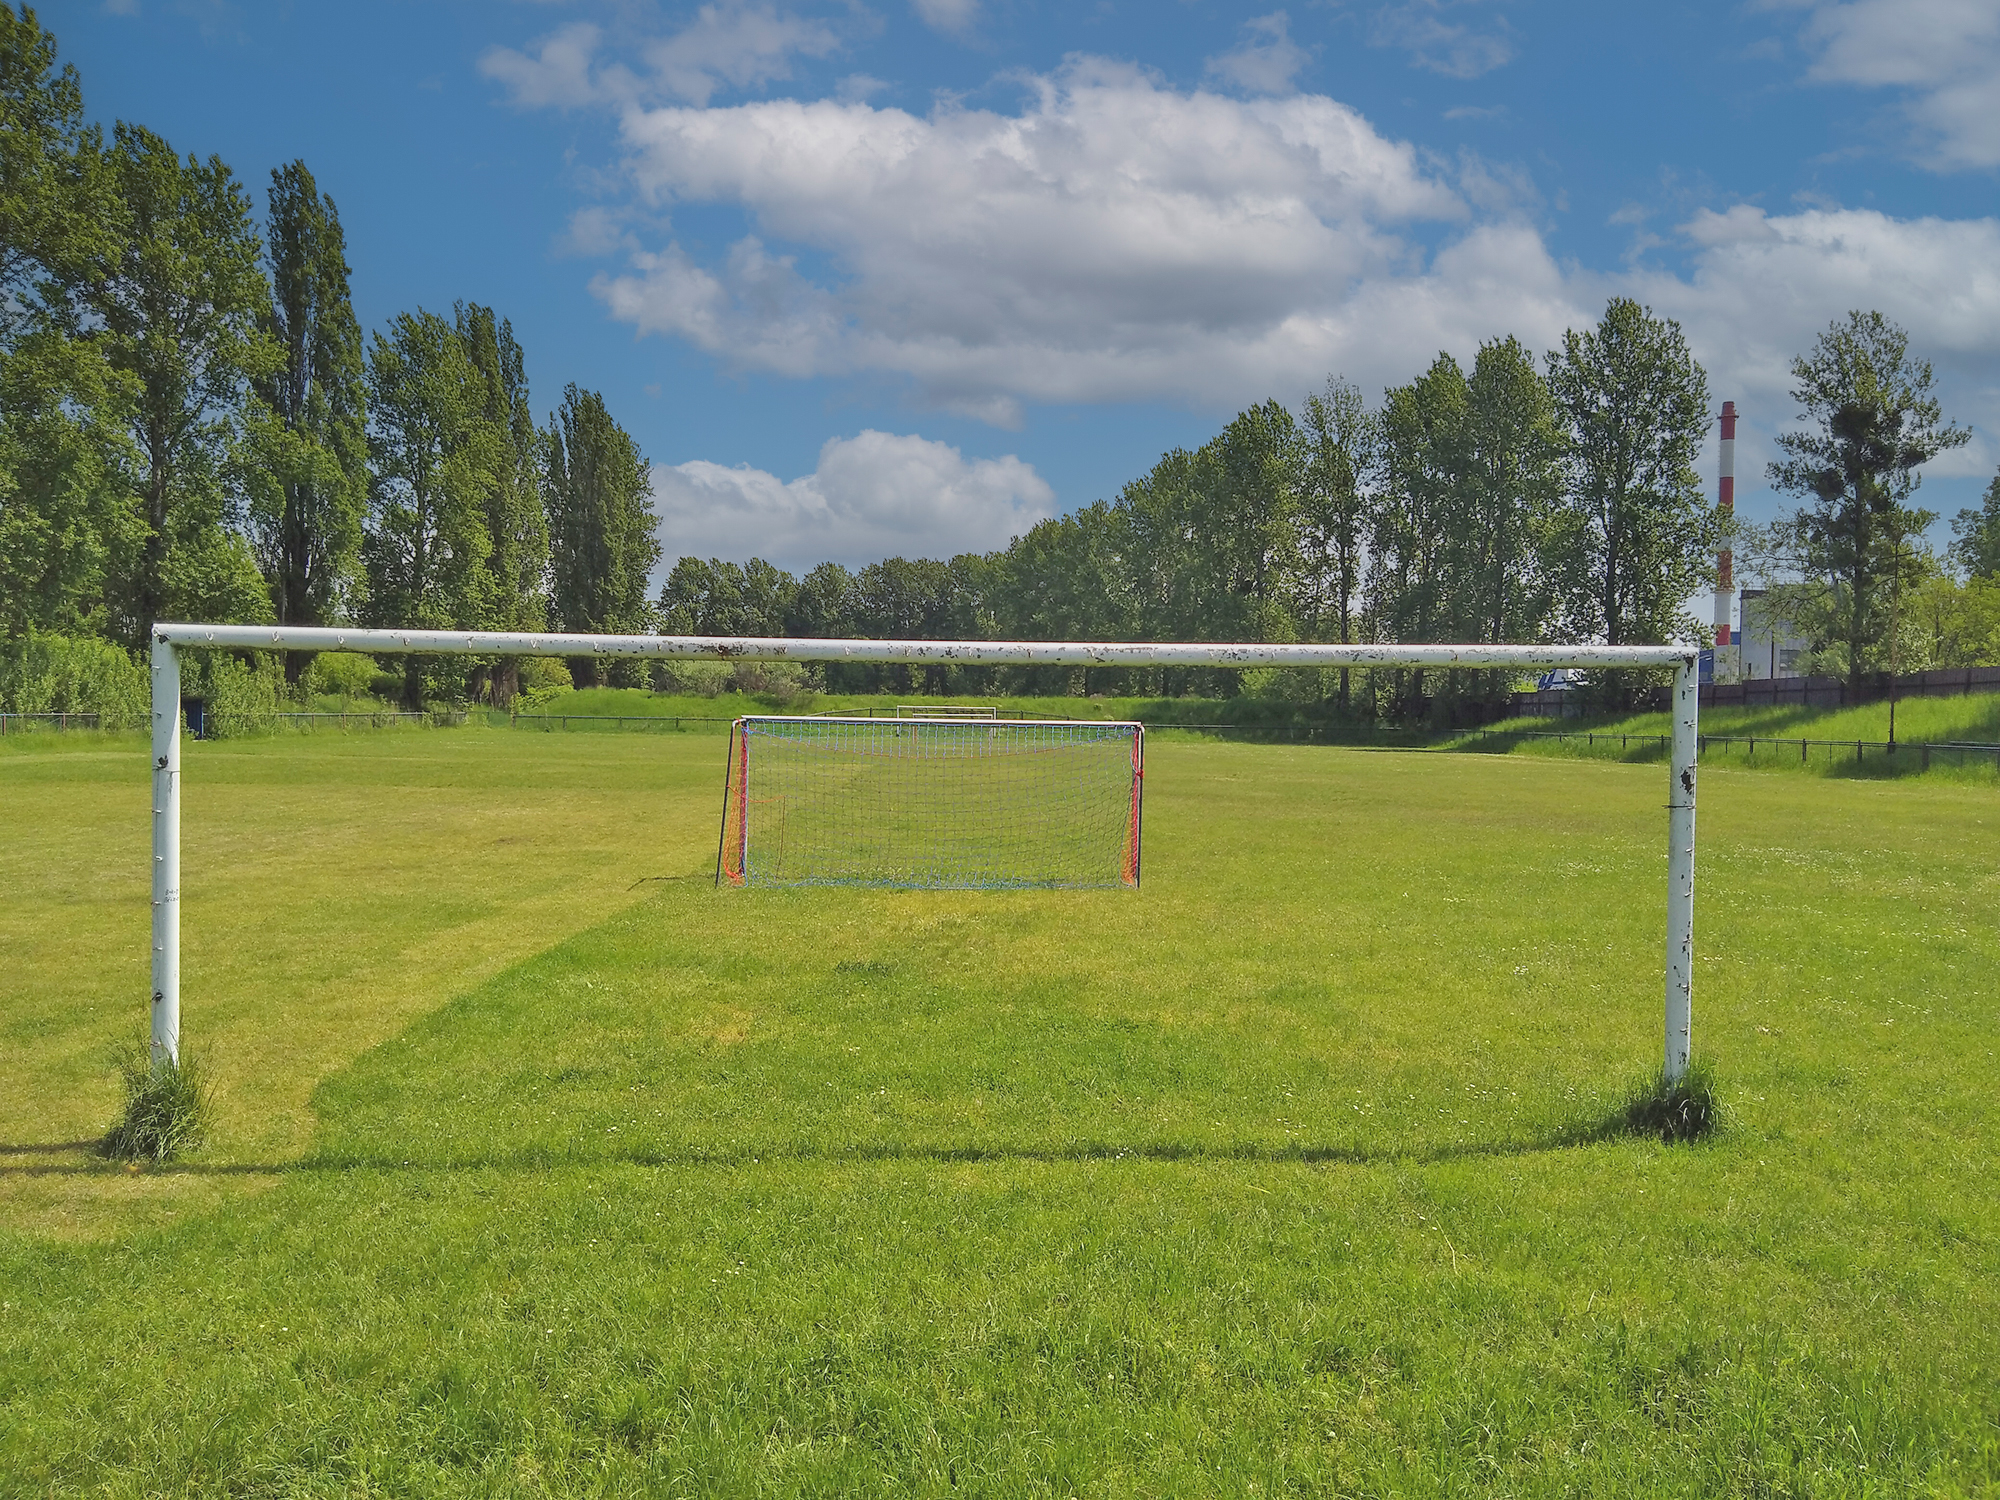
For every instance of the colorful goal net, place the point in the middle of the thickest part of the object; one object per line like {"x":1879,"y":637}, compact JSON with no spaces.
{"x":967,"y":804}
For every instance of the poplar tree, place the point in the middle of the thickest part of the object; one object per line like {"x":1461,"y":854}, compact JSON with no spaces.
{"x":309,"y":492}
{"x":1341,"y":439}
{"x":1422,"y":477}
{"x":435,"y":459}
{"x":1643,"y":537}
{"x":517,"y":525}
{"x":1417,"y":522}
{"x":1873,"y":424}
{"x":1250,"y":523}
{"x":1514,"y":451}
{"x":181,"y":305}
{"x":602,"y":544}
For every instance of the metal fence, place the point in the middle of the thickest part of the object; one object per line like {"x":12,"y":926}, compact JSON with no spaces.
{"x":383,"y":719}
{"x":548,"y":723}
{"x":676,"y":722}
{"x":1955,"y":752}
{"x":200,"y":722}
{"x":1921,"y":754}
{"x":1788,"y":692}
{"x":19,"y":723}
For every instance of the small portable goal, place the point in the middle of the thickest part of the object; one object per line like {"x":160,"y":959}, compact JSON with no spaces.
{"x":947,"y":802}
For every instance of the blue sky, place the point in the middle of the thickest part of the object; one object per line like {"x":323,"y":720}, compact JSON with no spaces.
{"x":905,"y":275}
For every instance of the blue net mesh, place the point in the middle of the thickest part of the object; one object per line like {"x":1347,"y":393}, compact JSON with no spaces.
{"x":941,"y":804}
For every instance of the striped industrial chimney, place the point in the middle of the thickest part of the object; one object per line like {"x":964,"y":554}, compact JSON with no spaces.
{"x":1725,"y":562}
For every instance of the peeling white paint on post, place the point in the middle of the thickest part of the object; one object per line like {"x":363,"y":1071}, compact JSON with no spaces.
{"x":167,"y":719}
{"x":166,"y":852}
{"x":1680,"y":873}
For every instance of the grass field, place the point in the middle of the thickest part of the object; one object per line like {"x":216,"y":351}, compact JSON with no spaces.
{"x":545,"y":1168}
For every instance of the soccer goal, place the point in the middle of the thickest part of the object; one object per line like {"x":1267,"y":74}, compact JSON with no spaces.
{"x":847,"y":821}
{"x":954,"y":803}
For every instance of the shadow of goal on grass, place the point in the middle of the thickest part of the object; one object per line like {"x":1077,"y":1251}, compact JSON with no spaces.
{"x":1673,"y":1112}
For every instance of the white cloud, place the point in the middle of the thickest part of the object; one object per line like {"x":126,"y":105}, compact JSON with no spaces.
{"x":1267,"y":59}
{"x":1764,"y":286}
{"x":874,"y":495}
{"x":736,"y":44}
{"x":1457,"y":49}
{"x":1944,"y":53}
{"x":1114,"y":239}
{"x":730,"y":43}
{"x":595,"y":231}
{"x":954,"y":17}
{"x":557,"y":74}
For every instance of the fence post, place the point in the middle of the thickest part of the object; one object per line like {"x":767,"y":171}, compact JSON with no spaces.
{"x":166,"y":853}
{"x":1680,"y":871}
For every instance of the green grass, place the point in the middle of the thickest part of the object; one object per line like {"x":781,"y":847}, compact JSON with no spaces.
{"x":528,"y":1180}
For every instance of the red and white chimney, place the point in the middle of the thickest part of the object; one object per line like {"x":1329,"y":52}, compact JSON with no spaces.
{"x":1725,"y":562}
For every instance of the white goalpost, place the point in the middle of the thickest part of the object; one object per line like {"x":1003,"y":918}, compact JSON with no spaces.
{"x":168,"y":640}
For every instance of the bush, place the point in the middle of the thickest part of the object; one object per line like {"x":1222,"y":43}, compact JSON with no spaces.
{"x":47,"y":674}
{"x":541,"y":673}
{"x":168,"y":1107}
{"x":786,"y":681}
{"x":239,"y":697}
{"x":699,"y":679}
{"x":341,"y":674}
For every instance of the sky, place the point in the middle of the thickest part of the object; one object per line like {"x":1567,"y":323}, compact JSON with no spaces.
{"x":907,"y":276}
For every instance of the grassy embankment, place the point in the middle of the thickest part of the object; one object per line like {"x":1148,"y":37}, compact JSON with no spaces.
{"x":531,"y":1179}
{"x":1973,"y":718}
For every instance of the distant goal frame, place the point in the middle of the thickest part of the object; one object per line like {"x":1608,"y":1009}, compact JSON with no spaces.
{"x":169,"y":639}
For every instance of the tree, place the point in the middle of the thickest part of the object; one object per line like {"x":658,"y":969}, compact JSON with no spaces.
{"x":309,"y":490}
{"x":435,"y":457}
{"x":1248,"y":527}
{"x":517,"y":523}
{"x":721,"y":598}
{"x":1635,"y":405}
{"x":602,"y":544}
{"x":822,"y":606}
{"x":1873,"y":424}
{"x":1976,"y":536}
{"x":1514,"y":451}
{"x":69,"y":526}
{"x":181,"y":304}
{"x":53,"y":195}
{"x":1423,"y":460}
{"x":1335,"y":508}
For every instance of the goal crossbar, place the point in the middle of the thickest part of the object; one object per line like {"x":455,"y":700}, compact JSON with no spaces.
{"x":169,"y":639}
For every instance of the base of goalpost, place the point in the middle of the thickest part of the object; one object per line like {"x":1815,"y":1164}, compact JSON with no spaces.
{"x":169,"y":639}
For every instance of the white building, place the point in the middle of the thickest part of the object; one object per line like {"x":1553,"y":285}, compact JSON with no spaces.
{"x":1766,"y":642}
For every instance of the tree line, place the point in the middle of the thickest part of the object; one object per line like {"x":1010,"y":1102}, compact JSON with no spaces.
{"x":192,"y":425}
{"x":1519,"y":501}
